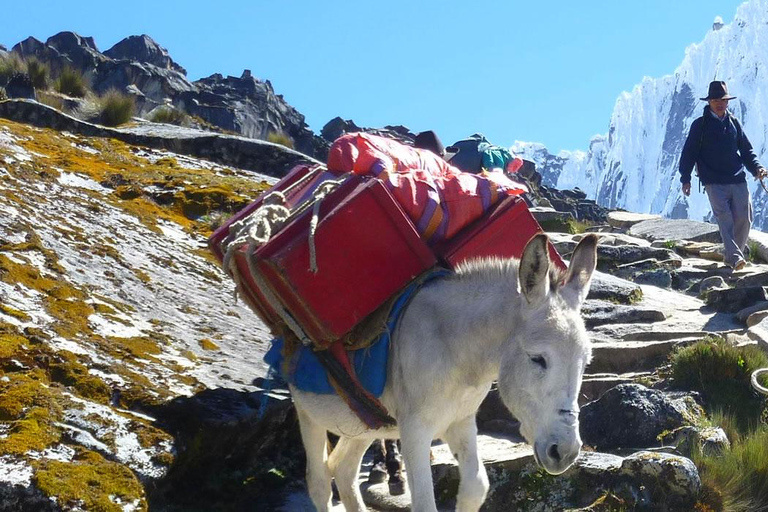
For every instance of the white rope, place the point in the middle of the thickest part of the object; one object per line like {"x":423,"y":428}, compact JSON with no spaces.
{"x":319,"y":194}
{"x":757,"y":385}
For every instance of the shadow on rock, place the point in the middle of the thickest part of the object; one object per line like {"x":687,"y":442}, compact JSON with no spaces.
{"x":229,"y":456}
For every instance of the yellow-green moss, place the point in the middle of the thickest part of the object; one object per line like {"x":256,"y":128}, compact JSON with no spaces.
{"x":28,"y":405}
{"x":75,"y":375}
{"x":192,"y":192}
{"x":103,"y":309}
{"x":62,"y":301}
{"x":189,"y":355}
{"x":15,"y":313}
{"x":36,"y":431}
{"x":89,"y":481}
{"x":10,"y":344}
{"x":207,"y":344}
{"x":138,"y":347}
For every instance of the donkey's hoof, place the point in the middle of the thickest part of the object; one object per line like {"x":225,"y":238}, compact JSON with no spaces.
{"x":396,"y":486}
{"x":378,"y":474}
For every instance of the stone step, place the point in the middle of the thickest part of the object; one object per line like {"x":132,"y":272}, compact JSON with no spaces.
{"x":596,"y":384}
{"x":633,"y":356}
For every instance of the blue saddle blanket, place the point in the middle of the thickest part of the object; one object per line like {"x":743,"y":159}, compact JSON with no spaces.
{"x":370,"y":363}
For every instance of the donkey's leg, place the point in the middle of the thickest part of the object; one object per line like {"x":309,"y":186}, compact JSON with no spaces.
{"x":344,"y":464}
{"x":315,"y":439}
{"x":416,"y":441}
{"x":461,"y":437}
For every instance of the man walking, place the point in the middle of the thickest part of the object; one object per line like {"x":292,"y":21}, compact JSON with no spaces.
{"x":720,"y":150}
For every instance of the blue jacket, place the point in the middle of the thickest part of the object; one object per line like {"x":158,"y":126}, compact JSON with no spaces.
{"x":719,"y":149}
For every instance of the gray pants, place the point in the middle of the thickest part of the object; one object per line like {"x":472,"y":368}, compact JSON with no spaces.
{"x":732,"y":206}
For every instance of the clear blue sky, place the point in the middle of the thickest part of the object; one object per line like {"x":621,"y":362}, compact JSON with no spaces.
{"x":540,"y":71}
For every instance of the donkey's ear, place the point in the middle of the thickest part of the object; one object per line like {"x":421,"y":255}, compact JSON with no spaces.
{"x":534,"y":269}
{"x":583,"y":263}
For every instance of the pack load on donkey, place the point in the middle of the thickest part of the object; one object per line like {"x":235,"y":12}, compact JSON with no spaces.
{"x":327,"y":256}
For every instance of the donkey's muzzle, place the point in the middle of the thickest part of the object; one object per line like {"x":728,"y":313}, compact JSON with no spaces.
{"x":555,"y":456}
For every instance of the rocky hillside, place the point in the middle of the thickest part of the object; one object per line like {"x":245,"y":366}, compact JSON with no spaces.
{"x":131,"y":378}
{"x":138,"y":66}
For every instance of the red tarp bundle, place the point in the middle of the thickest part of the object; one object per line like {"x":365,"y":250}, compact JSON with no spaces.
{"x":438,"y":198}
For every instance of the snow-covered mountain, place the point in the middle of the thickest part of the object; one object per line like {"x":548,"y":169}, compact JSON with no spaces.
{"x":634,"y":166}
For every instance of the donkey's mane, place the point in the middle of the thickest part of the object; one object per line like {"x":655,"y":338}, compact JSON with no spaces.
{"x":495,"y":269}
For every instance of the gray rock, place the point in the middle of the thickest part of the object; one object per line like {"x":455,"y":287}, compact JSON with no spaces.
{"x":254,"y":155}
{"x":602,"y":312}
{"x":612,"y":257}
{"x":759,"y":333}
{"x":661,"y":278}
{"x":673,"y":477}
{"x":689,"y":440}
{"x":712,"y":283}
{"x":632,"y":416}
{"x":676,"y":229}
{"x":614,"y":289}
{"x":621,"y":219}
{"x":757,"y":278}
{"x":747,"y":312}
{"x":621,"y":239}
{"x":733,"y":299}
{"x":143,"y":49}
{"x":631,"y":356}
{"x":244,"y":105}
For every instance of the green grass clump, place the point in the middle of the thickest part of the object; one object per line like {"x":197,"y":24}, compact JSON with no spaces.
{"x":38,"y":73}
{"x":280,"y":138}
{"x":9,"y":65}
{"x":71,"y":82}
{"x":721,"y":372}
{"x":116,"y":108}
{"x":736,"y":479}
{"x":170,"y":115}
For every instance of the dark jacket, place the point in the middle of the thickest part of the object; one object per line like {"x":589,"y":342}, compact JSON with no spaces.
{"x":720,"y":148}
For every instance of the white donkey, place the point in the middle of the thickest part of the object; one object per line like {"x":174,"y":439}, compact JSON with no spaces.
{"x":518,"y":323}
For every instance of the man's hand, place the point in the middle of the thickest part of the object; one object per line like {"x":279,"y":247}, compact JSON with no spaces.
{"x":761,"y":173}
{"x":687,"y":187}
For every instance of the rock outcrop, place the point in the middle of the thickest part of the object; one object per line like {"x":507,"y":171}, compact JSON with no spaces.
{"x":140,"y":67}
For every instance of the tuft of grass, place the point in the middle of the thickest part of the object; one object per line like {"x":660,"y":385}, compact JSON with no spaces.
{"x":737,"y":479}
{"x":170,"y":115}
{"x":9,"y":65}
{"x":721,"y":372}
{"x":753,"y":256}
{"x":38,"y":73}
{"x":71,"y":82}
{"x":280,"y":138}
{"x":116,"y":108}
{"x":670,"y":244}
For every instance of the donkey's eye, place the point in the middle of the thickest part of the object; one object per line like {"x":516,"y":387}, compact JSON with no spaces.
{"x":539,"y":361}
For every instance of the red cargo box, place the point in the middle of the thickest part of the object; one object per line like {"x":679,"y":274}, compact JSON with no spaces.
{"x":502,"y":232}
{"x":366,"y":251}
{"x":297,"y":186}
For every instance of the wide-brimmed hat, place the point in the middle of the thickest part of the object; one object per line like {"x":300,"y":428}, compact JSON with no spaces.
{"x":718,"y":90}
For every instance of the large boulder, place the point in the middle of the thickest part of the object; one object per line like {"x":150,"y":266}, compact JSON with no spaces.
{"x":633,"y":416}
